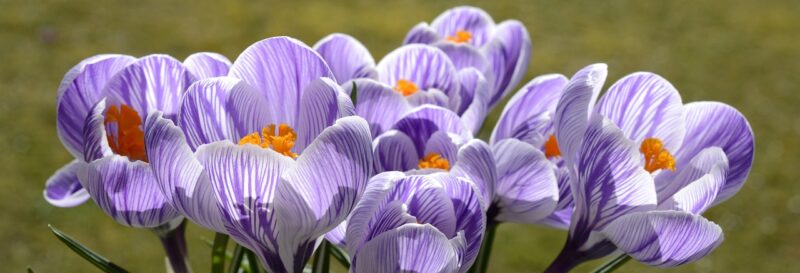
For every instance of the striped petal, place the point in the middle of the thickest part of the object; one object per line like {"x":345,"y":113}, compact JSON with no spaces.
{"x":95,"y":140}
{"x":441,"y":143}
{"x":63,"y":188}
{"x":527,"y":187}
{"x":465,"y":18}
{"x":477,"y":106}
{"x":280,"y":68}
{"x":424,"y":121}
{"x":337,"y":235}
{"x":379,"y":104}
{"x":394,"y":151}
{"x":470,"y":215}
{"x":576,"y":102}
{"x":509,"y":53}
{"x":538,"y":96}
{"x":697,"y":186}
{"x":466,"y":56}
{"x":426,"y":66}
{"x":476,"y":163}
{"x":422,"y":33}
{"x":319,"y":109}
{"x":204,"y":65}
{"x":430,"y":97}
{"x":347,"y":57}
{"x":410,"y":248}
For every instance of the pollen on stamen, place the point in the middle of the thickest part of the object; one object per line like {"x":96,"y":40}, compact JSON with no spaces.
{"x":551,"y":147}
{"x":281,"y":141}
{"x":434,"y":161}
{"x":461,"y":36}
{"x":124,"y":132}
{"x":655,"y":156}
{"x":406,"y":87}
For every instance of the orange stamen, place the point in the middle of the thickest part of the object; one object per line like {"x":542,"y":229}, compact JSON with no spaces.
{"x":551,"y":147}
{"x":281,"y":141}
{"x":655,"y":156}
{"x":127,"y":137}
{"x":434,"y":161}
{"x":406,"y":87}
{"x":461,"y":36}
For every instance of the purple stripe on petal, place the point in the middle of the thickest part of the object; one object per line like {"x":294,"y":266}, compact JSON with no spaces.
{"x":319,"y":108}
{"x":94,"y":134}
{"x":426,"y":66}
{"x":441,"y":143}
{"x":361,"y":218}
{"x":281,"y":68}
{"x":410,"y":248}
{"x":470,"y":215}
{"x":576,"y":102}
{"x":394,"y":151}
{"x":664,"y":238}
{"x":204,"y":65}
{"x":538,"y":96}
{"x":697,"y":185}
{"x":509,"y":53}
{"x":347,"y":57}
{"x":527,"y":188}
{"x":423,"y":121}
{"x":422,"y":33}
{"x":465,"y":18}
{"x":477,"y":104}
{"x":379,"y":104}
{"x":63,"y":188}
{"x":476,"y":163}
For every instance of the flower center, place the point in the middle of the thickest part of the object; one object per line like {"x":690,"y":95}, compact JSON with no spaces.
{"x":281,"y":141}
{"x":551,"y":147}
{"x":655,"y":156}
{"x":124,"y":132}
{"x":406,"y":87}
{"x":434,"y":161}
{"x":461,"y":36}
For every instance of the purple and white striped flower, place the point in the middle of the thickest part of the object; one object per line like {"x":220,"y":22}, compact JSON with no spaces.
{"x":282,"y":186}
{"x":416,"y":223}
{"x":470,"y":37}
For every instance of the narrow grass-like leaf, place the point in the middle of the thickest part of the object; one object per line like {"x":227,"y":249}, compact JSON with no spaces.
{"x":613,"y":264}
{"x":340,"y":256}
{"x":218,"y":250}
{"x":322,"y":259}
{"x":236,"y":260}
{"x":252,"y":261}
{"x":354,"y":94}
{"x":99,"y":261}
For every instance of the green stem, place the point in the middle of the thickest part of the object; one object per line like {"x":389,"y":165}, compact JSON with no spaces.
{"x":252,"y":261}
{"x":322,"y":259}
{"x":339,"y":255}
{"x":482,"y":263}
{"x":613,"y":264}
{"x":236,"y":260}
{"x":218,"y":252}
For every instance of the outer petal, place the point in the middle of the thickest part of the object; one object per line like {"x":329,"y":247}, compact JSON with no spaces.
{"x":509,"y":53}
{"x":337,"y":235}
{"x":464,"y":18}
{"x":470,"y":215}
{"x":204,"y":65}
{"x":664,"y":239}
{"x":425,"y":120}
{"x":426,"y":66}
{"x":477,"y":109}
{"x":576,"y":102}
{"x":154,"y":82}
{"x":219,"y":109}
{"x":94,"y":134}
{"x":347,"y":57}
{"x":127,"y":191}
{"x":430,"y":96}
{"x":81,"y":89}
{"x":538,"y":96}
{"x":698,"y":184}
{"x":63,"y":188}
{"x":319,"y":109}
{"x":379,"y":104}
{"x":465,"y":56}
{"x":281,"y":68}
{"x":422,"y":33}
{"x":476,"y":163}
{"x":527,"y":188}
{"x":645,"y":105}
{"x":410,"y":248}
{"x":394,"y":151}
{"x":180,"y":175}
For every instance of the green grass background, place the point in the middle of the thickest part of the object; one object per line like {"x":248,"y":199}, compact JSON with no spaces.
{"x":744,"y":53}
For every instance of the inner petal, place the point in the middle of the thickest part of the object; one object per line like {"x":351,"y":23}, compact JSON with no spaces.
{"x":461,"y":36}
{"x":406,"y":87}
{"x":655,"y":156}
{"x":434,"y":161}
{"x":124,"y":132}
{"x":281,"y":141}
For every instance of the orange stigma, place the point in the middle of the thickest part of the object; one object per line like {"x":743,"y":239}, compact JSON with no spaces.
{"x":406,"y":87}
{"x":434,"y":161}
{"x":282,"y":141}
{"x":461,"y":36}
{"x":551,"y":147}
{"x":125,"y":135}
{"x":655,"y":156}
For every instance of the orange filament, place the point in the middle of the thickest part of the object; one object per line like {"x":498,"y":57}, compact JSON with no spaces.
{"x":282,"y":142}
{"x":551,"y":147}
{"x":461,"y":36}
{"x":434,"y":161}
{"x":128,"y":138}
{"x":406,"y":87}
{"x":655,"y":156}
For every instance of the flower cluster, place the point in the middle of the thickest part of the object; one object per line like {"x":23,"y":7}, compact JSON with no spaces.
{"x":292,"y":150}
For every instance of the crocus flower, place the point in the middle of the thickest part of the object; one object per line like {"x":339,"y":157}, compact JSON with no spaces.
{"x":267,"y":154}
{"x":416,"y":223}
{"x":471,"y":38}
{"x":618,"y":203}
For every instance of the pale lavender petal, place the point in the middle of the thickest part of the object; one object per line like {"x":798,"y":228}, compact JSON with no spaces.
{"x":379,"y":104}
{"x":465,"y":56}
{"x":509,"y":53}
{"x":346,"y":107}
{"x":470,"y":215}
{"x":645,"y":105}
{"x":426,"y":66}
{"x":220,"y":109}
{"x":204,"y":65}
{"x":63,"y":188}
{"x":441,"y":143}
{"x":527,"y":187}
{"x":465,"y":18}
{"x":538,"y":96}
{"x":280,"y":68}
{"x":697,"y":185}
{"x":347,"y":57}
{"x":476,"y":163}
{"x":664,"y":238}
{"x":152,"y":83}
{"x":422,"y":33}
{"x":94,"y":134}
{"x":573,"y":109}
{"x":127,"y":191}
{"x":180,"y":176}
{"x":394,"y":151}
{"x":81,"y":89}
{"x":429,"y":97}
{"x":425,"y":120}
{"x":410,"y":248}
{"x":337,"y":235}
{"x":361,"y":218}
{"x":319,"y":109}
{"x":535,"y":130}
{"x":477,"y":107}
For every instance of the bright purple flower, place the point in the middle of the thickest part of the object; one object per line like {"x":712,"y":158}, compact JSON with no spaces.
{"x":471,"y":38}
{"x":416,"y":223}
{"x":300,"y":163}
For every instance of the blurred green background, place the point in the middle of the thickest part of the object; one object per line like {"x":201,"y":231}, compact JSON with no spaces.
{"x":744,"y":53}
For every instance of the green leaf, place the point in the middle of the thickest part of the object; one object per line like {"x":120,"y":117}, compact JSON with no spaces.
{"x":322,"y":259}
{"x":218,"y":251}
{"x":354,"y":93}
{"x":339,"y":254}
{"x":99,"y":261}
{"x":252,"y":262}
{"x":613,"y":264}
{"x":30,"y":270}
{"x":236,"y":260}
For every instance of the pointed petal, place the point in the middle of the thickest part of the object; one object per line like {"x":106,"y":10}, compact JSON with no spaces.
{"x":696,"y":187}
{"x":476,"y":163}
{"x":154,"y":82}
{"x":394,"y":151}
{"x":509,"y":53}
{"x":81,"y":89}
{"x":425,"y":66}
{"x":319,"y":108}
{"x":379,"y":104}
{"x":127,"y":191}
{"x":204,"y":65}
{"x":538,"y":96}
{"x":347,"y":57}
{"x":219,"y":109}
{"x":477,"y":109}
{"x":645,"y":105}
{"x":465,"y":18}
{"x":576,"y":102}
{"x":664,"y":238}
{"x":527,"y":188}
{"x":423,"y":121}
{"x":63,"y":188}
{"x":422,"y":33}
{"x":180,"y":175}
{"x":281,"y":68}
{"x":411,"y":248}
{"x":470,"y":215}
